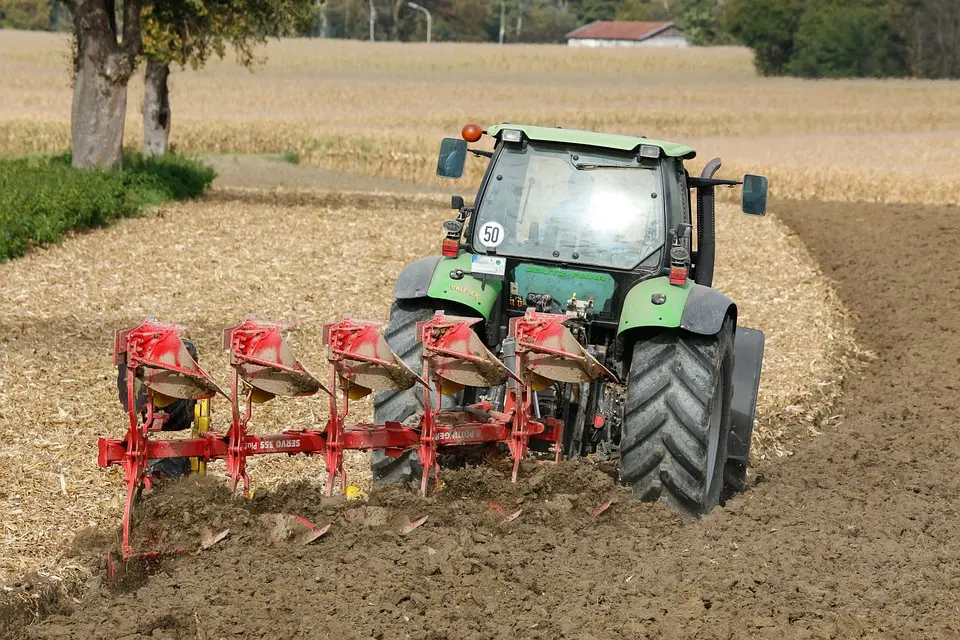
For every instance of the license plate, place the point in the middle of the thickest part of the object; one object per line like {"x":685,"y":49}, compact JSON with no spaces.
{"x":489,"y":265}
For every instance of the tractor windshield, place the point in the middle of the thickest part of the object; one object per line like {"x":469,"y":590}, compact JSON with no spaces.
{"x":555,"y":202}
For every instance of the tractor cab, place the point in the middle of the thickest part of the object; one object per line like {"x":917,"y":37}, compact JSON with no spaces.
{"x":570,"y":221}
{"x":578,"y":206}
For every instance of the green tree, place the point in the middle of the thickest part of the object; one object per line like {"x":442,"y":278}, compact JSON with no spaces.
{"x":769,"y":28}
{"x":701,"y":20}
{"x":457,"y":20}
{"x":589,"y":10}
{"x":843,"y":40}
{"x":109,"y":37}
{"x":189,"y":32}
{"x":24,"y":14}
{"x":646,"y":10}
{"x":345,"y":18}
{"x":702,"y":23}
{"x":547,"y":22}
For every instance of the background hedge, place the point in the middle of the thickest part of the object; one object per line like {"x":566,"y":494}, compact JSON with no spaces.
{"x":43,"y":198}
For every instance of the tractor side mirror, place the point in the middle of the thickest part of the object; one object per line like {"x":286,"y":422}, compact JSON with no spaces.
{"x":456,"y":202}
{"x":754,"y":195}
{"x":453,"y":155}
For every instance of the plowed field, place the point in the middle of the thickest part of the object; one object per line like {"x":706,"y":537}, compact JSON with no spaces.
{"x":856,"y":535}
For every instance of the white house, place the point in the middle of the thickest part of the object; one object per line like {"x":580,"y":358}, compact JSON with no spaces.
{"x":627,"y":33}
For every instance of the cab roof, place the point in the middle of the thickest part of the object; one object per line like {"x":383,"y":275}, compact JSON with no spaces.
{"x":592,"y":138}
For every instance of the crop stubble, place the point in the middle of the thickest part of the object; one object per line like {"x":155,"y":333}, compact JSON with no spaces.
{"x":303,"y":258}
{"x":855,"y":537}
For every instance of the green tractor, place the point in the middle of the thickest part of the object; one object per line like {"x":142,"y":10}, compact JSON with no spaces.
{"x":598,"y":227}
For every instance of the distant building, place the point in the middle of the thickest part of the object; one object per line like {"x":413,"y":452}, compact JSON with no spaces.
{"x":627,"y":33}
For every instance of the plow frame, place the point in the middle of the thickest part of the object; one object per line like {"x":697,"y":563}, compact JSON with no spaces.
{"x":349,"y":345}
{"x":140,"y":348}
{"x":515,"y":425}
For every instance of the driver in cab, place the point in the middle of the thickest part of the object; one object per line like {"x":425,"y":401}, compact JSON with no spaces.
{"x":596,"y":223}
{"x":565,"y":218}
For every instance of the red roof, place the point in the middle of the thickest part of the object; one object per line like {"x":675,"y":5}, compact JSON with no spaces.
{"x":619,"y":30}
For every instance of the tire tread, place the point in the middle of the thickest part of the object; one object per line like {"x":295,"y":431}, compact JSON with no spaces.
{"x":666,"y":422}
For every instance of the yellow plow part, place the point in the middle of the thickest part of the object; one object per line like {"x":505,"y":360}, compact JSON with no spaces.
{"x":201,"y":424}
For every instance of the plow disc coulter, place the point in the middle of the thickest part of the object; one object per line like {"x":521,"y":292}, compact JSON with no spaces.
{"x":157,"y":370}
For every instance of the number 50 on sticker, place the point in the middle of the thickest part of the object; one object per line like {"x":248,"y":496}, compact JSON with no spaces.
{"x":491,"y":234}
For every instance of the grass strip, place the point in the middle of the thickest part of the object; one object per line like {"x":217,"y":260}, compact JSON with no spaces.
{"x":43,"y":198}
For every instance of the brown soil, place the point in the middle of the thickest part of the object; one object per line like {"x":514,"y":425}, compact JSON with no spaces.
{"x":229,"y":255}
{"x":857,"y":535}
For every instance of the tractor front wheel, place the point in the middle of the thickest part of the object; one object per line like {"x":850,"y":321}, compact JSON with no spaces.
{"x":677,"y":419}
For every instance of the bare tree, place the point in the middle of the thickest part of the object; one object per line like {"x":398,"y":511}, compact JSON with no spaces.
{"x":940,"y":33}
{"x":395,"y":30}
{"x":931,"y":31}
{"x":519,"y":19}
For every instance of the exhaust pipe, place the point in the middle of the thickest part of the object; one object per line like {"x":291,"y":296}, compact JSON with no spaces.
{"x":706,"y":227}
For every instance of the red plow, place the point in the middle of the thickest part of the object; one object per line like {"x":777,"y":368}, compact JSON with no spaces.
{"x":539,"y":349}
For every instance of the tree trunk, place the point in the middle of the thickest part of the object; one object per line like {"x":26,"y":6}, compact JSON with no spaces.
{"x":503,"y":18}
{"x":519,"y":19}
{"x":156,"y":109}
{"x":98,"y":113}
{"x":103,"y":67}
{"x":397,"y":6}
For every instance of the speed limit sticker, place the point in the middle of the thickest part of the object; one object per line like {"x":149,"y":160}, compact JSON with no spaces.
{"x":491,"y":234}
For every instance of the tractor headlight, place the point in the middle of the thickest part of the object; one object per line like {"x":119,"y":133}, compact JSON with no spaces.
{"x":511,"y":135}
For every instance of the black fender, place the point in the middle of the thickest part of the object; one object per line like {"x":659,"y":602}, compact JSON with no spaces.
{"x":747,"y":362}
{"x":414,"y":280}
{"x":705,"y":311}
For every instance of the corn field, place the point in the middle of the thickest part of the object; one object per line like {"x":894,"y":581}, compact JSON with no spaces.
{"x":380,"y":109}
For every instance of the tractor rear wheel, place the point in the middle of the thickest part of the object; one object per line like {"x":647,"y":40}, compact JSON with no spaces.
{"x":398,"y":406}
{"x":677,"y":419}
